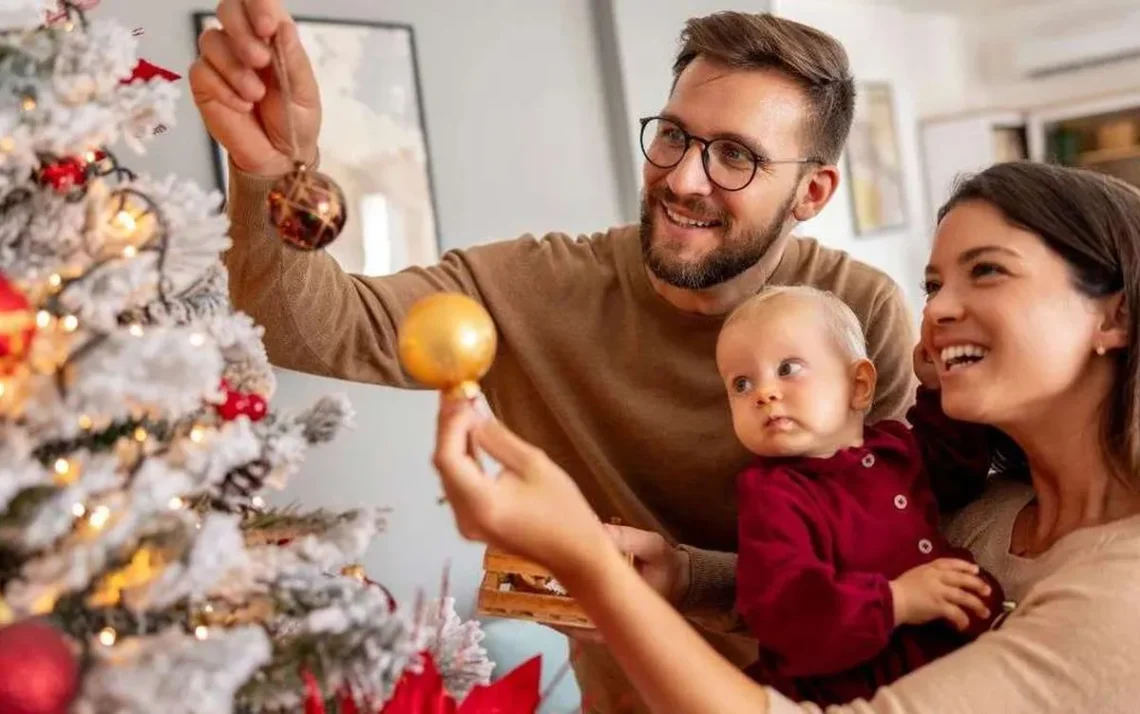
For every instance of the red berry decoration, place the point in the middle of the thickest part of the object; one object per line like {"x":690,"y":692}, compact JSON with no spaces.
{"x":235,"y":405}
{"x":256,"y":407}
{"x":39,"y":673}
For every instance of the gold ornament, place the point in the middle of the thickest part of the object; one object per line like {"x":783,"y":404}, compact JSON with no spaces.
{"x":447,"y":341}
{"x":355,"y":571}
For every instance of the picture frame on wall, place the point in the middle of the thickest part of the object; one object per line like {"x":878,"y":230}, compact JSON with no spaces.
{"x":373,"y":141}
{"x":874,"y":162}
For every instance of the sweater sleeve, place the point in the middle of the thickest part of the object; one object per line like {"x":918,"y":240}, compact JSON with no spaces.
{"x":1070,"y":646}
{"x":956,"y":454}
{"x":890,"y":343}
{"x":318,"y":318}
{"x":792,"y":597}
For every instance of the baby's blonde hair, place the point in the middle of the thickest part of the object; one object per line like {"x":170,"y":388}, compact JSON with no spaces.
{"x":845,"y":327}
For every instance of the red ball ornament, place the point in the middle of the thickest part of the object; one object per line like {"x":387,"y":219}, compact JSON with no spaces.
{"x":17,"y":326}
{"x":39,"y":673}
{"x":308,"y":208}
{"x":235,"y":405}
{"x":65,"y":174}
{"x":256,"y":407}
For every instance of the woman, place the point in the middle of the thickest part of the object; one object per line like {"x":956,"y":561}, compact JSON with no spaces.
{"x":1039,"y":266}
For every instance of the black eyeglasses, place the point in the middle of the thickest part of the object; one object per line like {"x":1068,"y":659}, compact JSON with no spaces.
{"x":728,"y":164}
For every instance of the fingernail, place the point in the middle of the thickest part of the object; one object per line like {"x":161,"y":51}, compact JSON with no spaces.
{"x":265,"y":25}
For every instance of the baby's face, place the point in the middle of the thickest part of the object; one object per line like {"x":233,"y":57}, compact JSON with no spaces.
{"x":790,"y":387}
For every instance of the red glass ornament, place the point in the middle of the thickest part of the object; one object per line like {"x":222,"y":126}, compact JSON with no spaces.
{"x":256,"y":407}
{"x":65,"y":174}
{"x":39,"y":673}
{"x":17,"y":326}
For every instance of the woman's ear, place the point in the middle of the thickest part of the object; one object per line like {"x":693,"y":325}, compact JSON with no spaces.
{"x":1113,"y":332}
{"x":863,"y":378}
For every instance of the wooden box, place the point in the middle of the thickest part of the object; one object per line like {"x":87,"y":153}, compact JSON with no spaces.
{"x":513,"y":587}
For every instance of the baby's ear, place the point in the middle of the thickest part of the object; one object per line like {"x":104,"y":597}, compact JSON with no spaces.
{"x":863,"y":378}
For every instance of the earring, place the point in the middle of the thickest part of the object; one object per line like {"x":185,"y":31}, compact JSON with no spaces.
{"x":1100,"y":350}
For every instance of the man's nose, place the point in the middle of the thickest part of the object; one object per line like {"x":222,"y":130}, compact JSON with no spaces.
{"x":688,"y":178}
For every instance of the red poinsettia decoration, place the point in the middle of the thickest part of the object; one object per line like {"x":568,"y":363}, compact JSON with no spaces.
{"x":146,"y":71}
{"x":423,"y":693}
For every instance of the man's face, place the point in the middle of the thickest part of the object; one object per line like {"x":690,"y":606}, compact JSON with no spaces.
{"x":765,"y":111}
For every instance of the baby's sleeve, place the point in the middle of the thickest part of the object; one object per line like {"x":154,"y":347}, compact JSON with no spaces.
{"x":815,"y":619}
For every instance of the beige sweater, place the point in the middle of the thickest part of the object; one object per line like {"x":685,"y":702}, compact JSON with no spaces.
{"x":1071,"y":645}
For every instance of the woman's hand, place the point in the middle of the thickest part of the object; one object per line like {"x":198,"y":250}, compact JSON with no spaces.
{"x":531,"y":509}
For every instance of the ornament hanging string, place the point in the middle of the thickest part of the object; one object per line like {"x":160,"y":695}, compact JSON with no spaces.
{"x":307,"y":207}
{"x":286,"y":98}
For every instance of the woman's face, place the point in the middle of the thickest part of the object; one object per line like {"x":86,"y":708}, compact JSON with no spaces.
{"x":1011,"y":336}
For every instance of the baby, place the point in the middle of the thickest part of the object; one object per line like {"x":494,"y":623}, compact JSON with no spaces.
{"x":843,"y":576}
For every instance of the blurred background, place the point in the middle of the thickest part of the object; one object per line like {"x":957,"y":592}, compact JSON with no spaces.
{"x":449,"y":120}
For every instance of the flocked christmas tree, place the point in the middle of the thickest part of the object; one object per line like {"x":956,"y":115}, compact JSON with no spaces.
{"x":139,"y":568}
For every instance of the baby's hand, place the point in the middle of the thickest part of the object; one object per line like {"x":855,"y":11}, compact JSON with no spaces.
{"x":946,"y":588}
{"x":925,"y":369}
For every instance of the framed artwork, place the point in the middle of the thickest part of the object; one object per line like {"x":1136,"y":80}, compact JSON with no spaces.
{"x":373,"y":141}
{"x":874,"y":163}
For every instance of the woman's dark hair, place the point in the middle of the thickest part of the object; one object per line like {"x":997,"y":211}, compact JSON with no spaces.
{"x":1092,"y":221}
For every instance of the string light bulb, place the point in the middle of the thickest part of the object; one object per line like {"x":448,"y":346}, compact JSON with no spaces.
{"x":201,"y":632}
{"x":107,"y":636}
{"x":130,"y":251}
{"x":55,"y":280}
{"x":70,"y":323}
{"x":126,"y":221}
{"x":99,"y":517}
{"x":197,"y":339}
{"x":28,"y":104}
{"x":85,"y":422}
{"x":43,"y":319}
{"x":64,"y":472}
{"x":78,"y":510}
{"x":7,"y":144}
{"x":141,"y":434}
{"x":258,"y":502}
{"x":135,"y":329}
{"x":176,"y":503}
{"x":197,"y":434}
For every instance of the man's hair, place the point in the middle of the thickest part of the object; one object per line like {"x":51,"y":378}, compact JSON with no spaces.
{"x":840,"y":318}
{"x":815,"y":60}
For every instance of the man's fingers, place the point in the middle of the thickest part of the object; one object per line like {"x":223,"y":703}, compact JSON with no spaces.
{"x":208,"y":86}
{"x":252,"y":49}
{"x":641,"y":543}
{"x":239,"y":77}
{"x":507,"y":448}
{"x":265,"y":16}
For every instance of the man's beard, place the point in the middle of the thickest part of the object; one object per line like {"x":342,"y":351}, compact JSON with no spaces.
{"x":737,"y":254}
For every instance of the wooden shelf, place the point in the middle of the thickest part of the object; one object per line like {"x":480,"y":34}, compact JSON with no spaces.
{"x":1104,"y":156}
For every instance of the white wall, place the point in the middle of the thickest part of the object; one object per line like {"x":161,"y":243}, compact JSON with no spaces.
{"x":502,"y":79}
{"x":918,"y":54}
{"x":648,"y":32}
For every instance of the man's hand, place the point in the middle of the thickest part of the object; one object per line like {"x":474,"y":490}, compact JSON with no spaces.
{"x":662,"y":566}
{"x":236,"y":90}
{"x":945,"y":588}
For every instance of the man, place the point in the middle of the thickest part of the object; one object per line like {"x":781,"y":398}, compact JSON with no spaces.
{"x":606,"y":341}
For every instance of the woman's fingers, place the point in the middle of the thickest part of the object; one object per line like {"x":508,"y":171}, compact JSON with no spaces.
{"x":243,"y":42}
{"x":239,"y":78}
{"x":509,"y":449}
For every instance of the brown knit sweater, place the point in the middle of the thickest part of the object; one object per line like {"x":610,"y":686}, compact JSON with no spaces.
{"x":618,"y":386}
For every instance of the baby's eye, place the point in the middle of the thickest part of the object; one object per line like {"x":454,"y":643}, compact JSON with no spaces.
{"x":741,"y":385}
{"x":790,"y":367}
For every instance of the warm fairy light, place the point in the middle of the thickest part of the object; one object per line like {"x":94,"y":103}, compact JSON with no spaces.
{"x":29,"y":104}
{"x":176,"y":503}
{"x":201,"y":632}
{"x":207,"y":608}
{"x":7,"y":144}
{"x":197,"y":339}
{"x":99,"y":517}
{"x":126,"y":221}
{"x":55,"y":280}
{"x":78,"y":509}
{"x":70,"y":323}
{"x":90,"y":157}
{"x":64,"y":471}
{"x":107,"y":636}
{"x":258,"y":502}
{"x":197,"y":434}
{"x":85,"y":422}
{"x":43,"y":319}
{"x":68,"y":26}
{"x":130,"y":251}
{"x":136,"y":330}
{"x":140,"y":434}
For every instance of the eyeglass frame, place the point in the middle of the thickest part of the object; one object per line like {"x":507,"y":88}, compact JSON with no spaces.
{"x":704,"y":143}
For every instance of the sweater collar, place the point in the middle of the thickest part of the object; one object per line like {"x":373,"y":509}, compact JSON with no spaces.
{"x":877,"y":444}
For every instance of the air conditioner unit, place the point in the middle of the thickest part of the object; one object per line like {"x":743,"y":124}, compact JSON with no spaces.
{"x":1108,"y":40}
